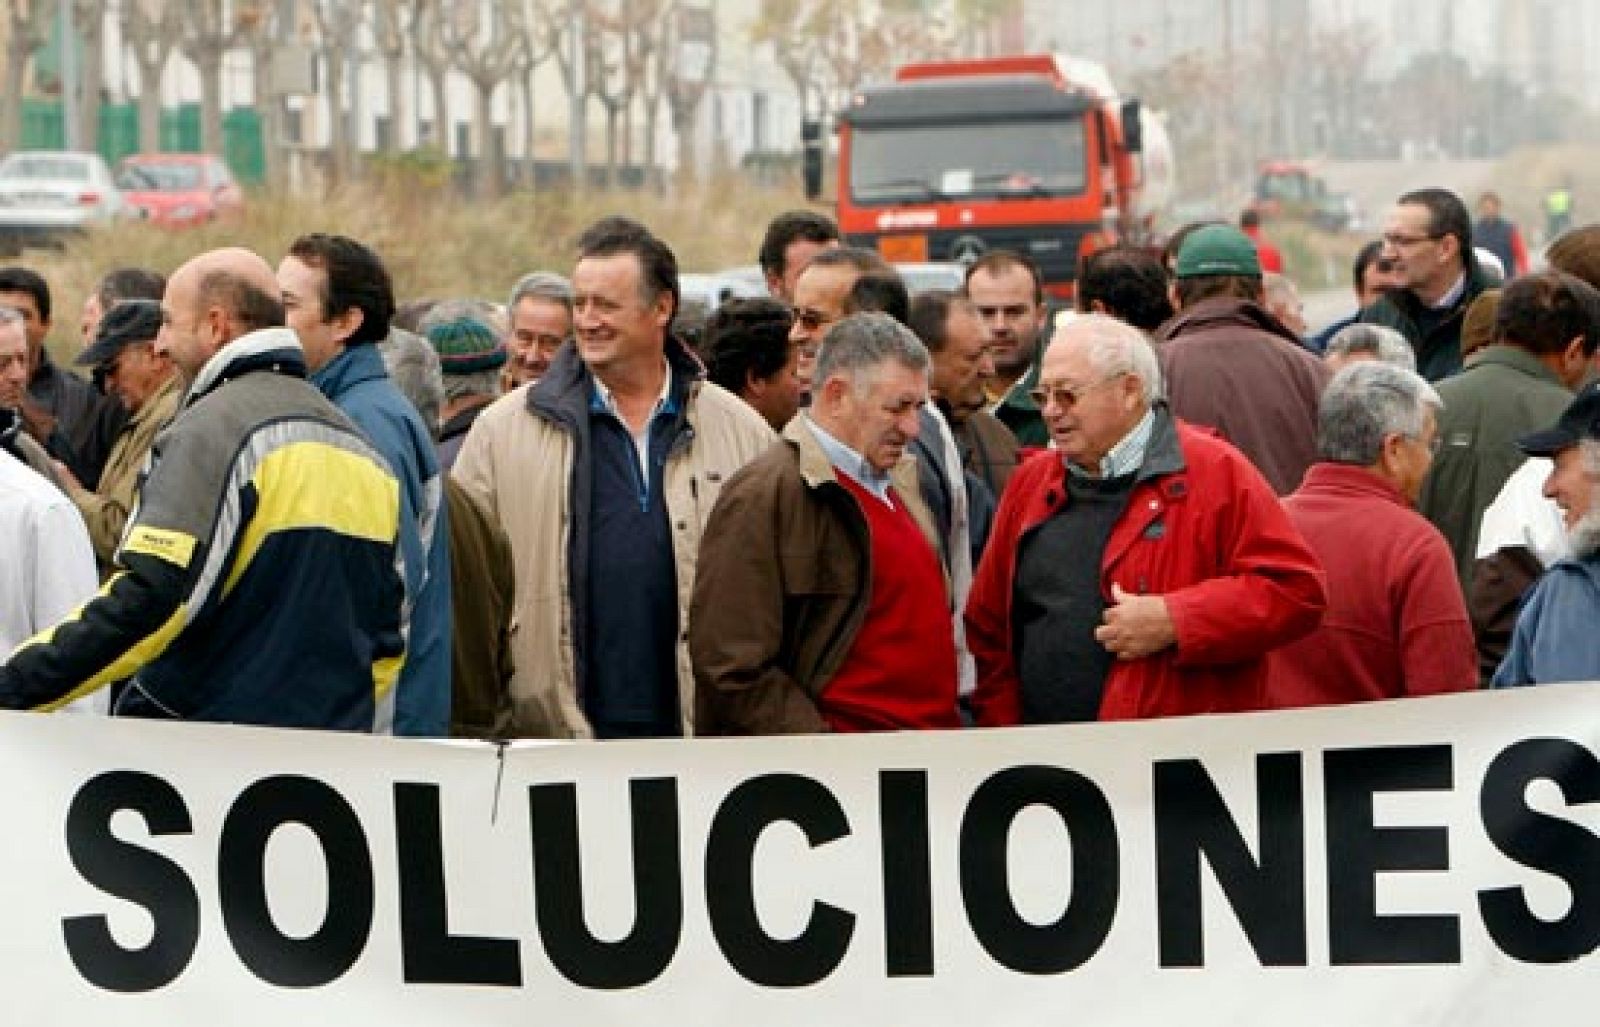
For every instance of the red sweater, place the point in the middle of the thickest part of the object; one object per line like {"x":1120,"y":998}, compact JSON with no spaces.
{"x":1396,"y":622}
{"x":901,"y":668}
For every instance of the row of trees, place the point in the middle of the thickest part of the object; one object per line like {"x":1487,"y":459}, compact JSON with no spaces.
{"x":1318,"y":95}
{"x":637,"y":60}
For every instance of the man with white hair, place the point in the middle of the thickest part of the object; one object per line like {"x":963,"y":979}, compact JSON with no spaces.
{"x":1554,"y":636}
{"x":1396,"y":624}
{"x":1142,"y":568}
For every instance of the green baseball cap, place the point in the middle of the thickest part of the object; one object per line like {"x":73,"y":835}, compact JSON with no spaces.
{"x":1218,"y":250}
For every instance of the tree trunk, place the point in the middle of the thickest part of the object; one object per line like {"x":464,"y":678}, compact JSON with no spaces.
{"x":486,"y":185}
{"x":441,"y":110}
{"x":209,"y":66}
{"x":685,"y":126}
{"x":652,"y":114}
{"x":530,"y":156}
{"x":92,"y":71}
{"x":392,"y":82}
{"x":611,"y":146}
{"x":149,"y":107}
{"x":11,"y":110}
{"x":338,"y":127}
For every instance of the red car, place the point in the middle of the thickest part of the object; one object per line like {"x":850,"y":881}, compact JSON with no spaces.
{"x":180,"y":190}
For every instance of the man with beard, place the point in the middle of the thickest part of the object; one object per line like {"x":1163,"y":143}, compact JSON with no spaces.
{"x":1554,"y":637}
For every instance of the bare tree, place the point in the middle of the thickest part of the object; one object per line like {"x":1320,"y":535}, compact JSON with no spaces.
{"x":617,"y":55}
{"x":539,"y":45}
{"x":337,"y":24}
{"x":688,"y":68}
{"x":428,"y":44}
{"x":89,"y":18}
{"x":795,"y":29}
{"x":484,"y":43}
{"x":211,"y":28}
{"x":27,"y":25}
{"x":394,"y":23}
{"x":556,"y":22}
{"x":149,"y":30}
{"x":267,"y":37}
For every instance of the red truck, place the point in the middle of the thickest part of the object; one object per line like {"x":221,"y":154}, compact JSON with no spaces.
{"x":1036,"y":154}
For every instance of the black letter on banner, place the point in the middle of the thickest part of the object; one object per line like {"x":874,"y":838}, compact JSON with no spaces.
{"x":433,"y":955}
{"x":271,"y":955}
{"x":730,"y":890}
{"x":907,"y":873}
{"x":1268,"y":898}
{"x":1358,"y":851}
{"x":1558,"y":847}
{"x":985,"y":882}
{"x":137,"y":875}
{"x":646,"y":951}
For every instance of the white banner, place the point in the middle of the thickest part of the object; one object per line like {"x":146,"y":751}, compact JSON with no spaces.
{"x":1422,"y":862}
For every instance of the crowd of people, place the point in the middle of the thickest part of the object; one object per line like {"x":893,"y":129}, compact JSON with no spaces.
{"x":279,"y":497}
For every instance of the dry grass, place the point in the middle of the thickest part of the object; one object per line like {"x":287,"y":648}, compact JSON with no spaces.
{"x":434,"y":244}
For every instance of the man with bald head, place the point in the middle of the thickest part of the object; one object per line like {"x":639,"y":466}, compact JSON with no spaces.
{"x":1142,"y":567}
{"x":257,"y":581}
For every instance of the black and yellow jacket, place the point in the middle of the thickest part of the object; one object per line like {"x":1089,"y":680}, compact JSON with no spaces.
{"x":258,"y":581}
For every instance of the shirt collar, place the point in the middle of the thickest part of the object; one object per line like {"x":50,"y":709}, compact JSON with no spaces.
{"x":1127,"y":456}
{"x":1449,"y":299}
{"x":601,"y":399}
{"x":847,"y":460}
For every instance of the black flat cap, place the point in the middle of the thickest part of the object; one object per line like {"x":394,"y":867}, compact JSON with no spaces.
{"x":128,"y":322}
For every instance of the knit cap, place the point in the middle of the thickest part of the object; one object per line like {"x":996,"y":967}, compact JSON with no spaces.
{"x":466,"y":346}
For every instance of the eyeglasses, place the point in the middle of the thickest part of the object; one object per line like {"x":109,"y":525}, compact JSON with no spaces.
{"x":811,"y":320}
{"x":1066,"y":396}
{"x":1399,"y":241}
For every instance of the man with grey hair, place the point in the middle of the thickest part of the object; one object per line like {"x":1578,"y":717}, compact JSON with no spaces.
{"x":540,"y":312}
{"x":819,"y":602}
{"x":1554,"y":636}
{"x":1143,"y":568}
{"x":472,"y":353}
{"x":1358,"y":342}
{"x":1396,"y":623}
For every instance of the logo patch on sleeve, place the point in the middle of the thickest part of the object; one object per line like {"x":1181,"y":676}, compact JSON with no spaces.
{"x":174,"y":547}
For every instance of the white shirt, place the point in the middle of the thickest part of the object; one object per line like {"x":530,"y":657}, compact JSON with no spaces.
{"x":46,"y":562}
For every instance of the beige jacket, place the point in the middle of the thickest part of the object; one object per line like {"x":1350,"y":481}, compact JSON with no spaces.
{"x":518,"y":463}
{"x":105,"y":510}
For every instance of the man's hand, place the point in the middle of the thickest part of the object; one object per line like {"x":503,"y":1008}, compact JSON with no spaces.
{"x":1135,"y":626}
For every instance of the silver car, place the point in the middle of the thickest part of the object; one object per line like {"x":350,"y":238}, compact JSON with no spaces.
{"x":47,"y":193}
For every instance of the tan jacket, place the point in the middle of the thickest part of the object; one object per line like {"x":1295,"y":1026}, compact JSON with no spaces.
{"x":518,"y":463}
{"x":105,"y":510}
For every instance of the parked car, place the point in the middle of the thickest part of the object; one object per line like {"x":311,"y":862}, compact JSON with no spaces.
{"x":45,"y":194}
{"x":180,"y":190}
{"x":713,"y":288}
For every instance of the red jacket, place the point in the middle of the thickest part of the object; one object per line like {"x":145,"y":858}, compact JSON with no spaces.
{"x":1203,"y":529}
{"x":1396,"y":622}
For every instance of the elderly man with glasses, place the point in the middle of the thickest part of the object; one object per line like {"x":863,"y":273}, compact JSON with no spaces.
{"x":1427,"y":239}
{"x":1143,"y":567}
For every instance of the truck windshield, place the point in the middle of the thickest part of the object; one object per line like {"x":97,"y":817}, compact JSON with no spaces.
{"x":958,"y":161}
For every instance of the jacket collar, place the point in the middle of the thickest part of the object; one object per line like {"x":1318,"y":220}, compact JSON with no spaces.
{"x":156,"y":402}
{"x":563,"y":393}
{"x":1325,"y":476}
{"x":1227,"y":312}
{"x":1516,"y":358}
{"x":354,"y":365}
{"x":817,"y":470}
{"x":270,"y":349}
